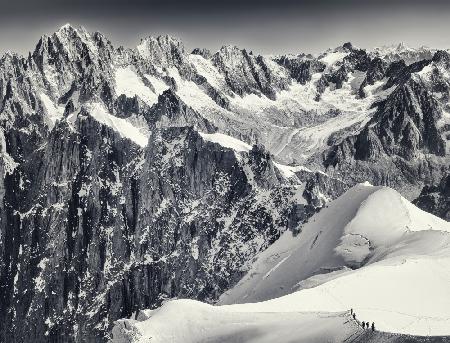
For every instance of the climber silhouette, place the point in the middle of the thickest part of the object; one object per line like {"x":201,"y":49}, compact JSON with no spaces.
{"x":373,"y":326}
{"x":354,"y":315}
{"x":363,"y":325}
{"x":351,"y":311}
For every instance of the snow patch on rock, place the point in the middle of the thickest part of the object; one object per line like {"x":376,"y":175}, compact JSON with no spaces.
{"x":54,"y":112}
{"x":125,"y":128}
{"x":226,"y":141}
{"x":130,"y":84}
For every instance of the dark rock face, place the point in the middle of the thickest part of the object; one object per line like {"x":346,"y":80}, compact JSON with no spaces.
{"x":56,"y":233}
{"x":436,"y":199}
{"x":125,"y":107}
{"x":110,"y":230}
{"x":300,"y":68}
{"x":441,"y":56}
{"x":246,"y":73}
{"x":402,"y":138}
{"x":376,"y":71}
{"x":96,"y":228}
{"x":171,"y":111}
{"x":321,"y":188}
{"x":356,"y":60}
{"x":93,"y":226}
{"x":406,"y":122}
{"x":202,"y":52}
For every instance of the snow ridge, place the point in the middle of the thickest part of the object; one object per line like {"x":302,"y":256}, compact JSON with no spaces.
{"x":401,"y":255}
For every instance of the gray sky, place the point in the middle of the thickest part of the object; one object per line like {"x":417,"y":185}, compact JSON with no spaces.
{"x":275,"y":26}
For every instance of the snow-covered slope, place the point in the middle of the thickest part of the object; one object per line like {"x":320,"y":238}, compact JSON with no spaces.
{"x":199,"y":322}
{"x":124,"y":127}
{"x":370,"y":250}
{"x":129,"y":83}
{"x":226,"y":141}
{"x":365,"y":225}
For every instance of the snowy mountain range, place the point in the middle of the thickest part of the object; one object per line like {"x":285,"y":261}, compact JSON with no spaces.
{"x":129,"y":177}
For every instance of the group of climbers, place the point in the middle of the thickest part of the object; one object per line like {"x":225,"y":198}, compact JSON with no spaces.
{"x":365,"y":325}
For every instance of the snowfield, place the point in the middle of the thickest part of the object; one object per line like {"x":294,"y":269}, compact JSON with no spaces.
{"x":199,"y":322}
{"x":369,"y":250}
{"x":130,"y":84}
{"x":124,"y":127}
{"x":226,"y":141}
{"x":54,"y":112}
{"x":276,"y":120}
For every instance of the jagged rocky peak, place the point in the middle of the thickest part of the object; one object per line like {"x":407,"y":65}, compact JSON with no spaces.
{"x":442,"y":57}
{"x":352,"y":55}
{"x":71,"y":55}
{"x":411,"y":115}
{"x":9,"y":58}
{"x":68,"y":30}
{"x":301,"y":67}
{"x":401,"y":145}
{"x":340,"y":63}
{"x":12,"y":66}
{"x":17,"y":94}
{"x":357,"y":59}
{"x":68,"y":41}
{"x":163,"y":50}
{"x":402,"y":46}
{"x":435,"y":198}
{"x":404,"y":125}
{"x":171,"y":111}
{"x":348,"y":46}
{"x":344,"y":48}
{"x":229,"y":52}
{"x":401,"y":51}
{"x":205,"y":53}
{"x":246,"y":73}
